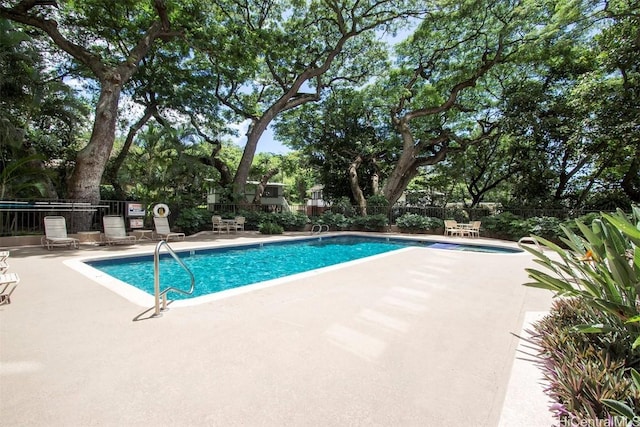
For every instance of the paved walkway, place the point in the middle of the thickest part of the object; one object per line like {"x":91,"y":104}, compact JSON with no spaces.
{"x":423,"y":337}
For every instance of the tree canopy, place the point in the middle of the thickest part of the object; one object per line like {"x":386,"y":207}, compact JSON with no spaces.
{"x":521,"y":102}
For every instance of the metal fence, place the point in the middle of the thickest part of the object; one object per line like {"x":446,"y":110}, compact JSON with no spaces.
{"x":19,"y":217}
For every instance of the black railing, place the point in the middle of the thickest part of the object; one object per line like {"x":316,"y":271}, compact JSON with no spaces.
{"x":18,"y":217}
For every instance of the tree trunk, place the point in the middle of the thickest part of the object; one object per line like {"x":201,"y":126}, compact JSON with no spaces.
{"x":254,"y":133}
{"x":84,"y":183}
{"x":263,"y":183}
{"x":358,"y":195}
{"x":631,"y":180}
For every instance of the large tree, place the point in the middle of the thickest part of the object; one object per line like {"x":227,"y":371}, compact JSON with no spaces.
{"x":274,"y":60}
{"x":106,"y":41}
{"x":441,"y":100}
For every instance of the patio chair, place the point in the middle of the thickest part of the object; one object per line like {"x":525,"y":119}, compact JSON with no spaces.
{"x":114,"y":231}
{"x":163,"y":230}
{"x":55,"y":233}
{"x":4,"y":255}
{"x":218,"y":224}
{"x":238,"y":224}
{"x":451,"y":228}
{"x":474,"y":229}
{"x":8,"y":283}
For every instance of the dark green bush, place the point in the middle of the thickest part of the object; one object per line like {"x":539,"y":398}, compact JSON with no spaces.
{"x":270,"y":228}
{"x":343,"y":206}
{"x":288,"y":220}
{"x":545,"y":226}
{"x":192,"y":220}
{"x":411,"y":221}
{"x":335,"y":221}
{"x":506,"y":225}
{"x":371,"y":222}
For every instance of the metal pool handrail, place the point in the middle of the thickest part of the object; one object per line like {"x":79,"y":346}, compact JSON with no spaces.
{"x":319,"y":228}
{"x":156,"y":278}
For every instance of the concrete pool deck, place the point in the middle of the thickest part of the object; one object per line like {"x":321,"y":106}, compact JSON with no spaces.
{"x":423,"y":337}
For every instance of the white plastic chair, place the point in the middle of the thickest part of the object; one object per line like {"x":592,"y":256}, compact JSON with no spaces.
{"x":55,"y":233}
{"x":163,"y":230}
{"x":114,"y":231}
{"x":217,"y":223}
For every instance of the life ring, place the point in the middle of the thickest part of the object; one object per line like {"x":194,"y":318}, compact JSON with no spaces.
{"x":161,"y":210}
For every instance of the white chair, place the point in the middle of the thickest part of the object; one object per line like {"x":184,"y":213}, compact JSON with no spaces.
{"x":451,"y":228}
{"x":55,"y":233}
{"x":474,"y":229}
{"x":218,"y":225}
{"x":8,"y":282}
{"x":238,"y":224}
{"x":163,"y":230}
{"x":114,"y":230}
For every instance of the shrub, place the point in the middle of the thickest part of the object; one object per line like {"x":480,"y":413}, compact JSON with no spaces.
{"x":342,"y":206}
{"x":334,"y":220}
{"x":601,"y":271}
{"x":192,"y":220}
{"x":288,"y":220}
{"x":253,"y":218}
{"x":411,"y":221}
{"x":270,"y":228}
{"x":371,"y":222}
{"x":506,"y":225}
{"x":584,"y":371}
{"x":545,"y":226}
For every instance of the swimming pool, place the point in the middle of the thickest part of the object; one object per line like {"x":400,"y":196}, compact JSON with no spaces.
{"x":224,"y":268}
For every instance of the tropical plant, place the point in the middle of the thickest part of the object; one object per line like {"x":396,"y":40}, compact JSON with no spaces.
{"x":334,"y":220}
{"x":289,"y":220}
{"x":601,"y":267}
{"x":412,"y":221}
{"x":371,"y":222}
{"x":270,"y":228}
{"x":590,"y":376}
{"x":192,"y":220}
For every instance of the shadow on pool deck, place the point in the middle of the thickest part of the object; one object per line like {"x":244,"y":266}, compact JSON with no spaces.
{"x":417,"y":338}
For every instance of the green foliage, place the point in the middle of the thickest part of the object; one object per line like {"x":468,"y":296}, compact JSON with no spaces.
{"x":343,"y":206}
{"x":290,"y":221}
{"x":545,"y":226}
{"x":585,"y":372}
{"x":411,"y":221}
{"x":506,"y":225}
{"x":377,"y":200}
{"x":334,"y":220}
{"x":371,"y":222}
{"x":192,"y":220}
{"x":270,"y":228}
{"x":601,"y":267}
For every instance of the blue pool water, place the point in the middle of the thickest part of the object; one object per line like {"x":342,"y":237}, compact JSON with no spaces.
{"x":219,"y":269}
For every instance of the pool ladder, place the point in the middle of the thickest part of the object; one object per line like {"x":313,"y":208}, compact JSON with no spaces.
{"x":161,"y":296}
{"x":319,"y":228}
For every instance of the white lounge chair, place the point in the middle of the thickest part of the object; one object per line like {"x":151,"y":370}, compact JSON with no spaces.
{"x":114,"y":231}
{"x":8,"y":283}
{"x":55,"y":233}
{"x":163,"y":230}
